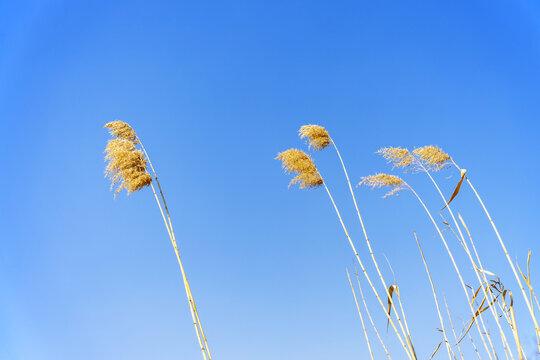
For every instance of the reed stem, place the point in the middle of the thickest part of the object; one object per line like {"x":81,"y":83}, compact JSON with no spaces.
{"x":360,"y":314}
{"x":436,"y":300}
{"x":168,"y":224}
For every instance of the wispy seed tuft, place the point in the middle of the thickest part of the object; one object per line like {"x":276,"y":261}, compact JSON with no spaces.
{"x":400,"y":158}
{"x":122,"y":130}
{"x":126,"y":165}
{"x":384,"y":180}
{"x":318,"y":137}
{"x":433,"y":157}
{"x":296,"y":161}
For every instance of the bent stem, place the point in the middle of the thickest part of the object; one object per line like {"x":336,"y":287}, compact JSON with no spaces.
{"x":410,"y":355}
{"x":360,"y":314}
{"x":409,"y":339}
{"x":503,"y":246}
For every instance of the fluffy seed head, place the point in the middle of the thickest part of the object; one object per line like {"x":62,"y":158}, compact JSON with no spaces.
{"x":296,"y":161}
{"x":126,"y":166}
{"x":432,"y":156}
{"x":383,"y":180}
{"x":318,"y":137}
{"x":122,"y":130}
{"x":399,"y":157}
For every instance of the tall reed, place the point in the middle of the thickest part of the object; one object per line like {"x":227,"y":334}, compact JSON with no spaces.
{"x":318,"y":138}
{"x":127,"y":169}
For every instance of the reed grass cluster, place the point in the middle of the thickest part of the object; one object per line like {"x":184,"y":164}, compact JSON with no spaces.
{"x":489,"y":298}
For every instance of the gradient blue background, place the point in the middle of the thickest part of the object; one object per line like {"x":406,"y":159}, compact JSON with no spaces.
{"x":215,"y":90}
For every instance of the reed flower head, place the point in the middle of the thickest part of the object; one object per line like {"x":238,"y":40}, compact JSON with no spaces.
{"x":126,"y":166}
{"x":122,"y":130}
{"x":318,"y":137}
{"x":400,"y":158}
{"x":296,"y":161}
{"x":384,"y":180}
{"x":433,"y":157}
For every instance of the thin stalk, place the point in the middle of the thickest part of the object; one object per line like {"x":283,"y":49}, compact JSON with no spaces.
{"x":409,"y":341}
{"x":472,"y":342}
{"x":452,"y":326}
{"x":360,"y":314}
{"x":436,"y":300}
{"x":195,"y":324}
{"x":399,"y":301}
{"x":168,"y":224}
{"x":369,"y":315}
{"x":486,"y":293}
{"x":455,"y":267}
{"x":409,"y":355}
{"x":503,"y":246}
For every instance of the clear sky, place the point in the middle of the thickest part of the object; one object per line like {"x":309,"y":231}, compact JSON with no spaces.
{"x":215,"y":90}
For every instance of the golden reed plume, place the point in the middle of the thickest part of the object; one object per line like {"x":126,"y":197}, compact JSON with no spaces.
{"x":122,"y":130}
{"x":296,"y":161}
{"x":433,"y":156}
{"x":126,"y":165}
{"x":383,"y":180}
{"x":318,"y":137}
{"x":400,"y":158}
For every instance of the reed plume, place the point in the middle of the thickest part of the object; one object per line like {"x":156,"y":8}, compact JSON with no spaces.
{"x":317,"y":136}
{"x":433,"y":157}
{"x":384,"y":180}
{"x":398,"y":157}
{"x":122,"y":130}
{"x":126,"y":168}
{"x":296,"y":161}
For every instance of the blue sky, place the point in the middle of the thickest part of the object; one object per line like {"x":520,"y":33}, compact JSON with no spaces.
{"x":215,"y":90}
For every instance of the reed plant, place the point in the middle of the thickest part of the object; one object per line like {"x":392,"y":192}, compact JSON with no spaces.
{"x":490,"y":294}
{"x":127,"y":162}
